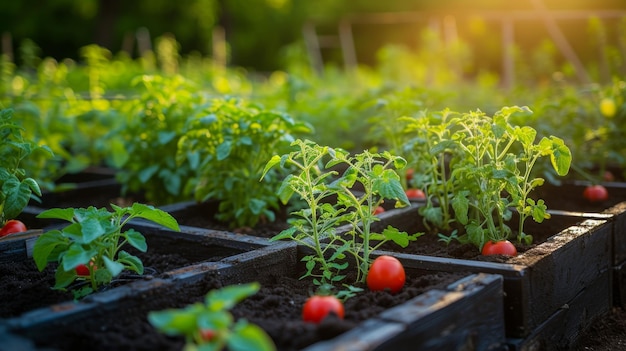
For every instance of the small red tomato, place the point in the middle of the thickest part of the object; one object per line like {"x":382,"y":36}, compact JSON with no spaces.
{"x":317,"y":307}
{"x":386,"y":272}
{"x":608,"y":176}
{"x":12,"y":226}
{"x":409,"y":174}
{"x":379,"y":210}
{"x":415,"y":194}
{"x":503,"y":247}
{"x":207,"y":334}
{"x":82,"y":270}
{"x":595,"y":193}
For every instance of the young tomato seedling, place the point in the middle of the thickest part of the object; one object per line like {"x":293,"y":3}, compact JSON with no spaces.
{"x":210,"y":325}
{"x":331,"y":202}
{"x":90,"y":247}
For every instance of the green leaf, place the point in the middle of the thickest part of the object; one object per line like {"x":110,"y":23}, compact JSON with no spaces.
{"x":285,"y":234}
{"x":174,"y":321}
{"x":398,"y":237}
{"x":223,"y":150}
{"x":561,"y":156}
{"x":115,"y":268}
{"x":155,"y":215}
{"x":17,"y":197}
{"x":389,"y":187}
{"x":45,"y":245}
{"x":58,"y":213}
{"x":146,"y":173}
{"x":229,"y":296}
{"x":460,"y":204}
{"x":256,"y":206}
{"x":136,"y":240}
{"x":131,"y":262}
{"x":76,"y":255}
{"x":64,"y":278}
{"x":248,"y":336}
{"x":271,"y":163}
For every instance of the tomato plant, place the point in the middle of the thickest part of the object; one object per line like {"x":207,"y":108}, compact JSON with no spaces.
{"x":415,"y":194}
{"x":211,"y":326}
{"x":386,"y":272}
{"x":596,"y":193}
{"x":503,"y":247}
{"x":95,"y":236}
{"x":318,"y":307}
{"x":12,"y":226}
{"x":376,"y":175}
{"x":16,"y":188}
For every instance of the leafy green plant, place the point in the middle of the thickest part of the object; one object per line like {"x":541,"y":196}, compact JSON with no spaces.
{"x":495,"y":174}
{"x":16,"y":188}
{"x":331,"y":202}
{"x":94,"y":238}
{"x":145,"y":144}
{"x":228,"y":147}
{"x":479,"y":169}
{"x":210,"y":325}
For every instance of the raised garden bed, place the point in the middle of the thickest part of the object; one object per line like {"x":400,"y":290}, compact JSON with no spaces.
{"x":569,"y":198}
{"x":26,"y":288}
{"x":569,"y":267}
{"x":434,"y":311}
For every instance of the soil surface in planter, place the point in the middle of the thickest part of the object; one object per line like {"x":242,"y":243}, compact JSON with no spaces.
{"x":276,"y":308}
{"x":608,"y":333}
{"x":24,"y":288}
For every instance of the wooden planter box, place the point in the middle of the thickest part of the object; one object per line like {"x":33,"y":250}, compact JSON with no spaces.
{"x":169,"y":249}
{"x":567,"y":277}
{"x":613,"y":209}
{"x":465,"y":313}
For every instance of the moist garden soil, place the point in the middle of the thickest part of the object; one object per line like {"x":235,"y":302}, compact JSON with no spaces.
{"x":276,"y":308}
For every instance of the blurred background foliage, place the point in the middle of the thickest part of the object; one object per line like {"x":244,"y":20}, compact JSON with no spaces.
{"x":259,"y":33}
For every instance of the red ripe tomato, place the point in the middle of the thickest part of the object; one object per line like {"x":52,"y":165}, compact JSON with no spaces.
{"x":409,"y":174}
{"x":207,"y":334}
{"x":503,"y":247}
{"x":317,"y":307}
{"x":379,"y":210}
{"x":82,"y":270}
{"x":415,"y":194}
{"x":12,"y":226}
{"x":595,"y":193}
{"x":386,"y":272}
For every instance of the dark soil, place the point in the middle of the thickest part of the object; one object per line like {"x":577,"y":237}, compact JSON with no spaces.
{"x":21,"y":280}
{"x":276,"y":308}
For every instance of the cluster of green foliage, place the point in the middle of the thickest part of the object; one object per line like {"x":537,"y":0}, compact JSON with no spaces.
{"x":227,"y":146}
{"x":94,"y":238}
{"x":210,"y":325}
{"x":476,"y":169}
{"x":16,"y":188}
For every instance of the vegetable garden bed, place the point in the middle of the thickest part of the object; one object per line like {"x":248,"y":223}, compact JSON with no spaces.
{"x":434,"y":311}
{"x":570,"y":268}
